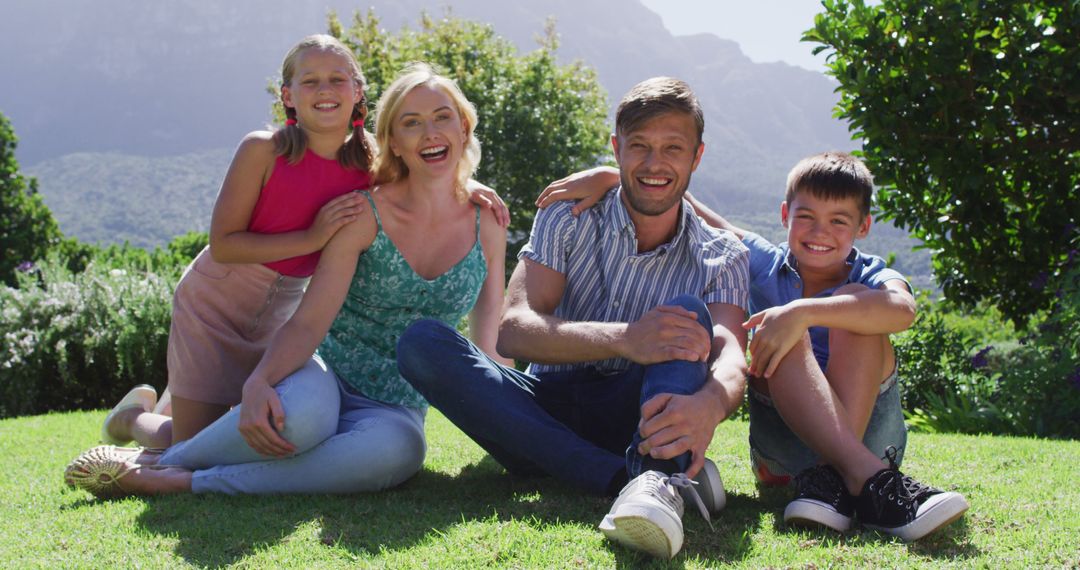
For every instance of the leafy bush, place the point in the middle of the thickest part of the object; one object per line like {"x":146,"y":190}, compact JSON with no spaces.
{"x":956,"y":381}
{"x":80,"y":340}
{"x":944,"y":390}
{"x":968,"y":116}
{"x":1039,"y":393}
{"x":27,"y":227}
{"x":178,"y":253}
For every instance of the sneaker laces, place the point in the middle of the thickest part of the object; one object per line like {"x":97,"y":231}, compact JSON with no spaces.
{"x":912,"y":488}
{"x":916,"y":489}
{"x":891,"y":485}
{"x":681,"y":481}
{"x":817,"y":481}
{"x":890,"y":455}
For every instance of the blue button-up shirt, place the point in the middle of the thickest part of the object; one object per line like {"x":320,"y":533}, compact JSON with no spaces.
{"x":775,"y":281}
{"x":607,"y":280}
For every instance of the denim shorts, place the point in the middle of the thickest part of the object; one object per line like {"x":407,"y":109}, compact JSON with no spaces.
{"x":776,"y":454}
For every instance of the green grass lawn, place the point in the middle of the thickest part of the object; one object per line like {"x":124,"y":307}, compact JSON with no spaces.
{"x":463,"y":511}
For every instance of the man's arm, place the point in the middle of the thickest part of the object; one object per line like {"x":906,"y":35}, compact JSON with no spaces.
{"x":674,"y":424}
{"x":854,"y":308}
{"x":712,"y":218}
{"x":530,"y":331}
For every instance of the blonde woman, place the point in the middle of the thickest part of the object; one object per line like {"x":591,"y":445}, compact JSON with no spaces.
{"x":419,"y":251}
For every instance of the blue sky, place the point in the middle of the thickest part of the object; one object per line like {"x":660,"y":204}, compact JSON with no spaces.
{"x":767,"y":30}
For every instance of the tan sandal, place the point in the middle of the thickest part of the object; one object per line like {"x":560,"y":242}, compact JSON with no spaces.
{"x":128,"y":454}
{"x":99,"y":470}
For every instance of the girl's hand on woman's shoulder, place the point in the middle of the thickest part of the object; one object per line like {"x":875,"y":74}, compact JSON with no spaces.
{"x":335,"y":214}
{"x":487,"y":198}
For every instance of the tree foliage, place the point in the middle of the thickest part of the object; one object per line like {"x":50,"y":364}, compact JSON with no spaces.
{"x":969,"y":115}
{"x":539,"y":120}
{"x":27,"y":227}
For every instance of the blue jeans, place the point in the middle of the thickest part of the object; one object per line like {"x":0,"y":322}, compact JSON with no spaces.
{"x":345,"y":443}
{"x":574,"y":425}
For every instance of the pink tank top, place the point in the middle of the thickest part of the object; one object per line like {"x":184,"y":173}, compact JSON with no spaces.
{"x":292,"y":197}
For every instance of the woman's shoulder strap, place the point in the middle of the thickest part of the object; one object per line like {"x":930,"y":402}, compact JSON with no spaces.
{"x":477,"y":208}
{"x":374,"y":210}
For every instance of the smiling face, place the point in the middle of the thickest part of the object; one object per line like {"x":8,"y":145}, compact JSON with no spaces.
{"x":656,"y":160}
{"x":427,"y":132}
{"x":822,"y":232}
{"x":322,"y":90}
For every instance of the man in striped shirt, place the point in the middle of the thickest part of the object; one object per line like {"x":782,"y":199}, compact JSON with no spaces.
{"x":630,"y":314}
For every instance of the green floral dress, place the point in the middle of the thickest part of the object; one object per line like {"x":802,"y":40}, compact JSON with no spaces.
{"x":385,"y":297}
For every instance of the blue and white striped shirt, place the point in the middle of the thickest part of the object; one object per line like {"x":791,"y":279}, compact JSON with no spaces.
{"x":607,"y":280}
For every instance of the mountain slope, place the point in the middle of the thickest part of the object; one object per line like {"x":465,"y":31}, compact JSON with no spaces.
{"x":111,"y":197}
{"x":152,"y":85}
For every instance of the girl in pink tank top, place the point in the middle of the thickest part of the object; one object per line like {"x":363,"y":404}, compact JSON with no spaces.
{"x":285,"y":195}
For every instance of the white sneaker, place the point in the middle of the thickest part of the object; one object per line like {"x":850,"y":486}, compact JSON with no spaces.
{"x":709,"y":488}
{"x":647,"y":515}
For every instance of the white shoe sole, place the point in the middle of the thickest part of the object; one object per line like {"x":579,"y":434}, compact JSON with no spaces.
{"x":937,"y":512}
{"x":809,"y":512}
{"x":164,"y":404}
{"x":142,"y":396}
{"x":645,"y":529}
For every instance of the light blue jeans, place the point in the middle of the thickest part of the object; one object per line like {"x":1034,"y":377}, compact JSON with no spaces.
{"x":345,"y":443}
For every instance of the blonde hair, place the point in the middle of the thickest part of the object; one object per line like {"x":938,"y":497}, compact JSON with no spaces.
{"x":291,"y":141}
{"x":389,"y":168}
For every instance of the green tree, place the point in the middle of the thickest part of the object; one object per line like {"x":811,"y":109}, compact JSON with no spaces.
{"x":969,"y":116}
{"x":539,"y":120}
{"x":27,"y":227}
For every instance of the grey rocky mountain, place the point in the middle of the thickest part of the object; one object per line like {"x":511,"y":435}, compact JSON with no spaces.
{"x":168,"y":79}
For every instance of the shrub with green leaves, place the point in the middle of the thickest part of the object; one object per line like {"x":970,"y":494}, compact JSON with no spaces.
{"x":944,"y":390}
{"x":27,"y":227}
{"x":178,"y":253}
{"x":960,"y":381}
{"x":80,"y":340}
{"x":968,"y":115}
{"x":1039,"y":391}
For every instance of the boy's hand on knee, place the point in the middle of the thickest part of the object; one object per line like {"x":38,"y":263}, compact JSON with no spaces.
{"x":674,"y":424}
{"x":779,"y":329}
{"x":666,"y":333}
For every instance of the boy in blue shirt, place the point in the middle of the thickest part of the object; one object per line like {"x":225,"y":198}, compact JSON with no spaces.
{"x":823,"y":397}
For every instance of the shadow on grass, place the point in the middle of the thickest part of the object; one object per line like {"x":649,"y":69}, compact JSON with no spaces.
{"x":215,"y":531}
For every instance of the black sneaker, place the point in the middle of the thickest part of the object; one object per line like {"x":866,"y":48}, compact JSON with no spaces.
{"x":822,"y":499}
{"x":896,"y":504}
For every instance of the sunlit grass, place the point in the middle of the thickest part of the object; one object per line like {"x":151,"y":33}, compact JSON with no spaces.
{"x":463,"y":511}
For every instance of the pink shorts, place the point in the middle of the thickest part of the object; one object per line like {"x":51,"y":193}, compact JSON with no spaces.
{"x":224,"y":316}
